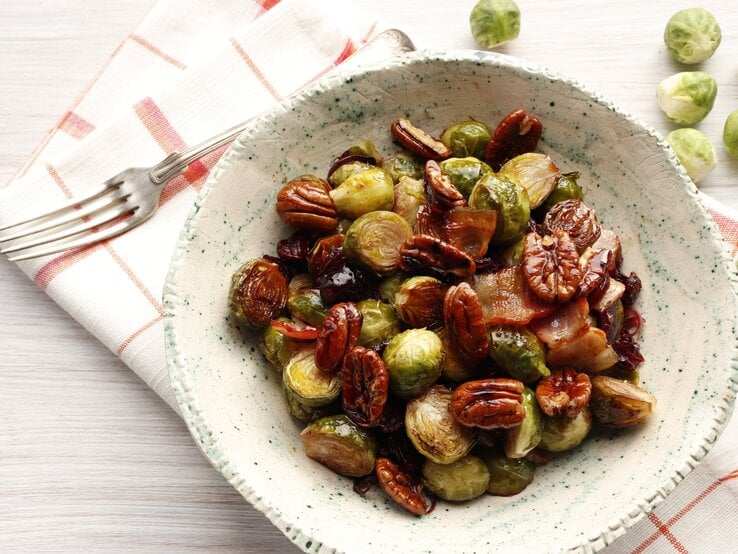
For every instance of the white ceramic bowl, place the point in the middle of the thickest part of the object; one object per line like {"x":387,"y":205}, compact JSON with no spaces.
{"x":231,"y":399}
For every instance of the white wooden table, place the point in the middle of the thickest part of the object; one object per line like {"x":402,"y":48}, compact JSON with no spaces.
{"x":90,"y":458}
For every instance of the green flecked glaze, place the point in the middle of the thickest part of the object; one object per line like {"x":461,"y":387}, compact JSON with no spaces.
{"x":232,"y":401}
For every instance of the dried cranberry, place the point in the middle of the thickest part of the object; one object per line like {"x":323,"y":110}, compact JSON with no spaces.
{"x":363,"y":484}
{"x":626,"y":345}
{"x":535,"y":227}
{"x":338,"y":281}
{"x":293,"y":249}
{"x":488,"y":265}
{"x":393,"y":416}
{"x":400,"y":450}
{"x":632,"y":284}
{"x":284,"y":268}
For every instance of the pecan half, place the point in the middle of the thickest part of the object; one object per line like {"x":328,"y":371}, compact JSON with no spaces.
{"x":400,"y":488}
{"x":564,"y":393}
{"x":551,"y":266}
{"x":574,"y":217}
{"x":516,"y":134}
{"x":462,"y":314}
{"x":365,"y":386}
{"x":489,"y":403}
{"x":305,"y":203}
{"x":418,"y":141}
{"x":258,"y":292}
{"x":337,"y":336}
{"x":441,"y":192}
{"x":426,"y":253}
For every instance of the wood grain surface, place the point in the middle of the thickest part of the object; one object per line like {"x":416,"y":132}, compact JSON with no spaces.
{"x":90,"y":458}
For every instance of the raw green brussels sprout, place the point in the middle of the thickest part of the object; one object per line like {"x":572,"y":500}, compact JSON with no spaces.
{"x":339,"y":444}
{"x":617,"y":403}
{"x":389,"y":286}
{"x":409,"y":196}
{"x":508,"y":476}
{"x":306,"y":413}
{"x":433,"y":430}
{"x":278,"y":349}
{"x":464,"y":173}
{"x":306,"y":304}
{"x":519,"y":352}
{"x":525,"y":437}
{"x":695,"y":152}
{"x":494,"y":22}
{"x":455,"y":366}
{"x":566,"y":188}
{"x":364,"y":192}
{"x":730,"y":134}
{"x":413,"y":359}
{"x":346,"y":170}
{"x":374,"y":240}
{"x":692,"y":35}
{"x":511,"y":202}
{"x":533,"y":171}
{"x":380,"y":323}
{"x":419,"y":301}
{"x":565,"y":433}
{"x":402,"y":165}
{"x":463,"y":479}
{"x":308,"y":384}
{"x":687,"y":97}
{"x":467,"y":138}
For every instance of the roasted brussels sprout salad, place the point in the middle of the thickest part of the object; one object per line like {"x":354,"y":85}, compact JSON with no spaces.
{"x":448,"y":317}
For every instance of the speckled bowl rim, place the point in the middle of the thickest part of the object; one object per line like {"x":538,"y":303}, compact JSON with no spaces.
{"x":192,"y":413}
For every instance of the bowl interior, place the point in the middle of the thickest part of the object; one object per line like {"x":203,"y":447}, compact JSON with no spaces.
{"x":232,"y":401}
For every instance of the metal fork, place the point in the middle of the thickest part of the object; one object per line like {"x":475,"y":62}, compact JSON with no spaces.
{"x":131,"y":197}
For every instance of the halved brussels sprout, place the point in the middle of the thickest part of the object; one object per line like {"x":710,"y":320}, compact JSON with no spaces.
{"x":339,"y":444}
{"x":467,"y":138}
{"x":278,"y":349}
{"x":374,"y":240}
{"x":519,"y":352}
{"x":455,"y":366}
{"x":409,"y":196}
{"x":389,"y":286}
{"x":258,"y":292}
{"x":380,"y":323}
{"x":364,"y":192}
{"x":402,"y":165}
{"x":419,"y":301}
{"x":566,"y":188}
{"x":464,"y":173}
{"x":306,"y":413}
{"x":366,"y":148}
{"x":533,"y":171}
{"x":617,"y":403}
{"x":511,"y":202}
{"x":413,"y":359}
{"x":565,"y":433}
{"x":307,"y":305}
{"x":507,"y":476}
{"x":463,"y":479}
{"x":346,"y":170}
{"x":432,"y":429}
{"x":525,"y":437}
{"x":307,"y":383}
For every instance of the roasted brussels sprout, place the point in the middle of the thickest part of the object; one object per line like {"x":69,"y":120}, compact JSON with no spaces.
{"x":519,"y":352}
{"x":467,"y":138}
{"x":455,"y":366}
{"x":374,"y":241}
{"x":464,"y":479}
{"x":513,"y":254}
{"x":346,"y":170}
{"x":278,"y":349}
{"x":686,"y":98}
{"x":364,"y":192}
{"x":258,"y":292}
{"x":494,"y":22}
{"x":367,"y":149}
{"x":306,"y":304}
{"x":730,"y":134}
{"x":525,"y":437}
{"x":535,"y":172}
{"x":507,"y":476}
{"x":380,"y":323}
{"x":566,"y":188}
{"x":433,"y":430}
{"x":306,"y":413}
{"x":692,"y":35}
{"x":413,"y":359}
{"x":617,"y":403}
{"x":306,"y":383}
{"x":695,"y":152}
{"x":511,"y":202}
{"x":339,"y":444}
{"x":464,"y":173}
{"x":565,"y":433}
{"x":389,"y":286}
{"x":419,"y":301}
{"x":402,"y":165}
{"x":409,"y":196}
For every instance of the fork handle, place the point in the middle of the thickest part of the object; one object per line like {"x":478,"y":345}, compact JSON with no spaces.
{"x":382,"y":46}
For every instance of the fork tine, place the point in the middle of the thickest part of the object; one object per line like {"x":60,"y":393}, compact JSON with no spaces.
{"x":89,"y":238}
{"x":100,"y":219}
{"x":71,"y":205}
